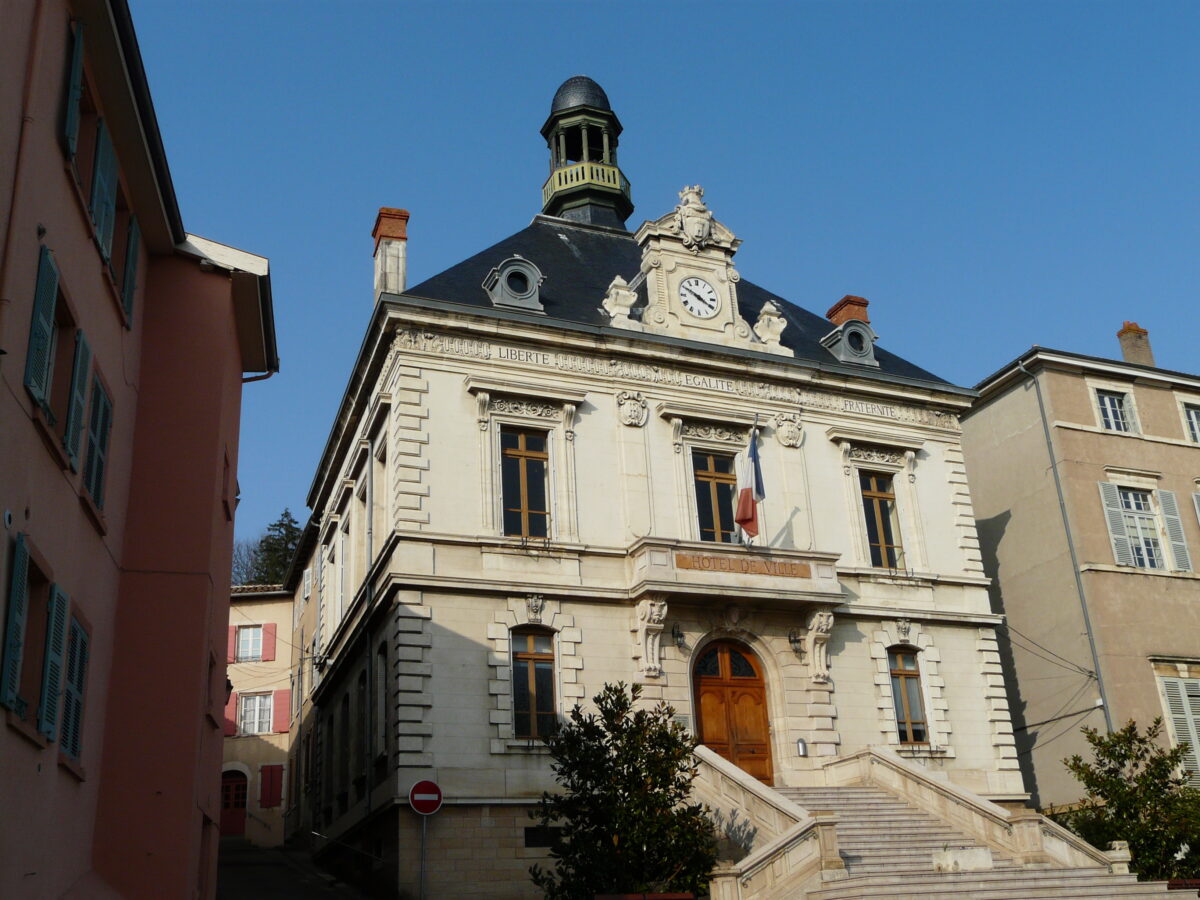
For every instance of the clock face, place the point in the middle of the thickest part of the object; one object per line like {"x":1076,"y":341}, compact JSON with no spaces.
{"x":699,"y":298}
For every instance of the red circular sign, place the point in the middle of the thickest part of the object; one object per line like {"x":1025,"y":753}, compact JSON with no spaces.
{"x":425,"y":797}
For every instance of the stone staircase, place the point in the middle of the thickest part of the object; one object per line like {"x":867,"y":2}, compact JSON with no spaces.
{"x":888,"y":848}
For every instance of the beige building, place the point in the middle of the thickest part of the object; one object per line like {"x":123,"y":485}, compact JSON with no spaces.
{"x":258,"y":714}
{"x":530,"y":490}
{"x":1085,"y":474}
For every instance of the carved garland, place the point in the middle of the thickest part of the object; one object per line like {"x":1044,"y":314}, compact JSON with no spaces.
{"x":651,"y":614}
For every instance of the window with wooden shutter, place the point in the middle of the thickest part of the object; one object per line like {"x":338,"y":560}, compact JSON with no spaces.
{"x":71,"y":111}
{"x":14,"y":632}
{"x":270,"y":786}
{"x":53,"y":660}
{"x":1173,"y":525}
{"x":71,"y":732}
{"x":97,"y":452}
{"x":77,"y":405}
{"x":1114,"y":516}
{"x":1183,"y":709}
{"x":133,"y":248}
{"x":40,"y":353}
{"x":104,"y":190}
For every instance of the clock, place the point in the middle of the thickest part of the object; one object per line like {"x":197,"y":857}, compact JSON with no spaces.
{"x":699,"y":298}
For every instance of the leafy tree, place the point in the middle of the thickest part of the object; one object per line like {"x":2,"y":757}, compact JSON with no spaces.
{"x":1137,"y":791}
{"x":276,"y":549}
{"x":245,"y":559}
{"x":625,"y":823}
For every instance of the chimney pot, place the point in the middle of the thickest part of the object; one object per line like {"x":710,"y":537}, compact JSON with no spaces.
{"x":849,"y":307}
{"x":1135,"y":344}
{"x":391,"y":243}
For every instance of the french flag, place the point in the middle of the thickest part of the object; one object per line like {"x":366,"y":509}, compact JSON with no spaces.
{"x":750,"y":487}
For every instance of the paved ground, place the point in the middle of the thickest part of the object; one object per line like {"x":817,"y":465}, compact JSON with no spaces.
{"x":246,"y":872}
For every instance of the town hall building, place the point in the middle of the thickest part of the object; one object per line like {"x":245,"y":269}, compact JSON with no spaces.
{"x":528,"y":492}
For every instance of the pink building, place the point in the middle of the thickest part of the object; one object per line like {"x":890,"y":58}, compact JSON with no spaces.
{"x":125,"y":342}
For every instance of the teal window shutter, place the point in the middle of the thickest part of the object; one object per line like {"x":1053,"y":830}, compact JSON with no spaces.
{"x":78,"y":399}
{"x":1174,"y":524}
{"x":14,"y":633}
{"x":52,"y":663}
{"x":41,"y":331}
{"x":74,"y":92}
{"x":97,"y":453}
{"x":104,"y":189}
{"x":129,"y":275}
{"x":1114,"y":515}
{"x":71,"y":733}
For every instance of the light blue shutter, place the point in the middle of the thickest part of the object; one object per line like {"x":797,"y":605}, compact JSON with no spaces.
{"x":1179,"y":550}
{"x":78,"y":399}
{"x":1196,"y":503}
{"x":71,"y":739}
{"x":97,"y":454}
{"x":1183,"y":706}
{"x":1115,"y":516}
{"x":52,"y":663}
{"x":104,"y":190}
{"x":74,"y":92}
{"x":14,"y":632}
{"x":129,"y":276}
{"x":41,"y":331}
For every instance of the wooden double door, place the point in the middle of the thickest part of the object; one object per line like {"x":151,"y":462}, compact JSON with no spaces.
{"x":731,"y":707}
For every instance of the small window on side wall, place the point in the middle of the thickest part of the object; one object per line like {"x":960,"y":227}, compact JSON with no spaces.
{"x":911,"y":725}
{"x":534,"y":709}
{"x":716,"y":484}
{"x":882,"y":521}
{"x":1115,"y":414}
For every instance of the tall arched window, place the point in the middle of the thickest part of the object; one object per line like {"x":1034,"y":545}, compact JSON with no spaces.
{"x":911,"y":724}
{"x":534,"y":713}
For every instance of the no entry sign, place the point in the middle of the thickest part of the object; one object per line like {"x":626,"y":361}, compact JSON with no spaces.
{"x":425,"y":797}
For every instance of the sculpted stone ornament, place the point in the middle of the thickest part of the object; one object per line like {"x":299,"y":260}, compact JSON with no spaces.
{"x":534,"y":604}
{"x":770,"y":326}
{"x":631,"y":407}
{"x":819,"y":626}
{"x":903,"y":629}
{"x":788,"y":430}
{"x":651,"y":614}
{"x":693,"y":220}
{"x":617,"y":304}
{"x":532,"y":408}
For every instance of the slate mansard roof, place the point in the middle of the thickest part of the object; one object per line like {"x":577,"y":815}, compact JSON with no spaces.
{"x":579,"y":262}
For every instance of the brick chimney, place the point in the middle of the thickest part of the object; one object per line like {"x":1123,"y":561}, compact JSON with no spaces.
{"x":391,"y":256}
{"x":849,"y":307}
{"x":1135,"y":344}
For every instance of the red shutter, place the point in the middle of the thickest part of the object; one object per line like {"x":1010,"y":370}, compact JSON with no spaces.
{"x":282,"y":714}
{"x":268,"y":641}
{"x":231,"y":714}
{"x":231,"y":652}
{"x":270,"y":781}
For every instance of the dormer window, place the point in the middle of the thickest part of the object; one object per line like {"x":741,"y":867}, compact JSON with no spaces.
{"x":852,"y":342}
{"x":515,"y":284}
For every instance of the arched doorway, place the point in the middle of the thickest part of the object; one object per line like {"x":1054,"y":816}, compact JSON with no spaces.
{"x":731,"y":707}
{"x":233,"y":803}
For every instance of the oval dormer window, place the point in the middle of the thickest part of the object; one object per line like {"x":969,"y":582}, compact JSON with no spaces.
{"x":856,"y":341}
{"x":515,"y":284}
{"x":518,"y":282}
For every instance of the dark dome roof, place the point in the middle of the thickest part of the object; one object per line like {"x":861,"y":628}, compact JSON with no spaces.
{"x":579,"y":90}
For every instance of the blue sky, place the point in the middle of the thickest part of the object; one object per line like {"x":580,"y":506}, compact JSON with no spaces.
{"x":989,"y":175}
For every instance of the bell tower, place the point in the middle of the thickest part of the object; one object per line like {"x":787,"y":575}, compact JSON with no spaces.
{"x":585,"y":184}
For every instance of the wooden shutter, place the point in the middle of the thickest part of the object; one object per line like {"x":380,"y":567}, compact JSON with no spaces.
{"x":231,"y":706}
{"x":129,"y":273}
{"x":41,"y":331}
{"x":268,"y":642}
{"x":281,"y":710}
{"x":270,"y":780}
{"x":1196,"y":503}
{"x":71,"y":739}
{"x":70,"y":133}
{"x":1183,"y":707}
{"x":1115,"y":516}
{"x":78,"y":399}
{"x":14,"y":634}
{"x":231,"y":652}
{"x":97,"y":453}
{"x":1179,"y":550}
{"x":104,"y":190}
{"x":52,"y":663}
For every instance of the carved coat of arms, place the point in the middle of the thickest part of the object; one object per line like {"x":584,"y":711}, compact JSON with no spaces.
{"x":693,"y":220}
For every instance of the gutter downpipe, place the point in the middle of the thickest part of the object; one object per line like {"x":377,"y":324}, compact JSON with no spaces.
{"x":1062,"y":508}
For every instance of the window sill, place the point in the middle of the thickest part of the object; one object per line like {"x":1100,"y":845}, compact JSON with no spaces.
{"x":923,"y":751}
{"x":26,"y":730}
{"x":1135,"y":570}
{"x":72,"y":765}
{"x":94,"y":512}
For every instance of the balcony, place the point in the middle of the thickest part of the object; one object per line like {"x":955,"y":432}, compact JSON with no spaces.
{"x":585,"y":175}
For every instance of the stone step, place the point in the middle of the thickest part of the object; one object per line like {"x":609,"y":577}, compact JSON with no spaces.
{"x":1025,"y":884}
